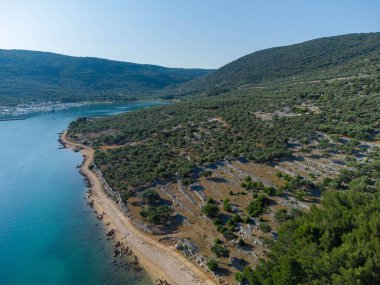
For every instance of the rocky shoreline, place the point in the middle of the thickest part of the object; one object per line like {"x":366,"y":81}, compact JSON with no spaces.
{"x":163,"y":263}
{"x":123,"y":256}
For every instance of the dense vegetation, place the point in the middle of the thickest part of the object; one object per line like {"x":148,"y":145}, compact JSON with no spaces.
{"x":39,"y":76}
{"x":337,"y":243}
{"x":320,"y":58}
{"x":327,"y":86}
{"x":164,"y":142}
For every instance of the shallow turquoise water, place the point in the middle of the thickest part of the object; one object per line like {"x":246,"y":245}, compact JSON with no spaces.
{"x":48,"y":235}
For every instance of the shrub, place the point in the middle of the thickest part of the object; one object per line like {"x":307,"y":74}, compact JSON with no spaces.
{"x":220,"y":250}
{"x":226,"y":205}
{"x":239,"y":277}
{"x":241,"y":242}
{"x":256,"y":207}
{"x":265,"y":227}
{"x":236,"y":218}
{"x":218,"y":241}
{"x":212,"y":264}
{"x":150,"y":196}
{"x":210,"y":210}
{"x":228,"y":234}
{"x":157,"y":215}
{"x":281,"y":215}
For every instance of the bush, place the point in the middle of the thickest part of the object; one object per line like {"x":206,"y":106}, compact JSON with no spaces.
{"x":210,"y":201}
{"x":236,"y":218}
{"x":157,"y":215}
{"x":270,"y":191}
{"x":218,"y":241}
{"x":220,"y":250}
{"x":300,"y":195}
{"x":239,"y":277}
{"x":228,"y":234}
{"x":247,"y":220}
{"x":212,"y":264}
{"x":150,"y":196}
{"x":257,"y":206}
{"x":265,"y":227}
{"x":281,"y":215}
{"x":210,"y":210}
{"x":125,"y":196}
{"x":216,"y":222}
{"x":226,"y":205}
{"x":241,"y":242}
{"x":231,"y":224}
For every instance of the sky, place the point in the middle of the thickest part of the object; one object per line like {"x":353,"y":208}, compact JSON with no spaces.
{"x":177,"y":33}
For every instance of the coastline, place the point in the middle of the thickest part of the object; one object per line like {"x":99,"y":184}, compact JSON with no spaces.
{"x":161,"y":262}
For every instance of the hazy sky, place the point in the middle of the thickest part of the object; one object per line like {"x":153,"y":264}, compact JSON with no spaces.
{"x":191,"y":33}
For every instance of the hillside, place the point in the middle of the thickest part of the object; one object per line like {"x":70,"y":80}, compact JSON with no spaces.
{"x":290,"y":168}
{"x":322,"y":58}
{"x":39,"y":76}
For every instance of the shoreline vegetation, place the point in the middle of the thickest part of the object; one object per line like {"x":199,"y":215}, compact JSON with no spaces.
{"x":164,"y":264}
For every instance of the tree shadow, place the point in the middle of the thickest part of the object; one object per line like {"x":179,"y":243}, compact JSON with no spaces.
{"x":217,"y":179}
{"x":315,"y":156}
{"x":339,"y":162}
{"x":223,"y":217}
{"x":197,"y":187}
{"x":238,"y":263}
{"x":316,"y":192}
{"x":242,"y":160}
{"x":360,"y":156}
{"x":221,"y":271}
{"x":172,"y":225}
{"x":213,"y":166}
{"x":137,"y":203}
{"x":293,"y":144}
{"x":297,"y":158}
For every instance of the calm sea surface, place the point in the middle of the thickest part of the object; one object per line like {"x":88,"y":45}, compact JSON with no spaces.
{"x":48,"y":235}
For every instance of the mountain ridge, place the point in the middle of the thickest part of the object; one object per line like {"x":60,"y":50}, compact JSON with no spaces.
{"x":324,"y":55}
{"x":34,"y":75}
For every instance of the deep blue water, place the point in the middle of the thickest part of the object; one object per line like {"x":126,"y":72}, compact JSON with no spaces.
{"x":48,"y":235}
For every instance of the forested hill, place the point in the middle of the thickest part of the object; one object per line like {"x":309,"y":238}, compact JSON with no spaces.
{"x":31,"y":75}
{"x":317,"y":59}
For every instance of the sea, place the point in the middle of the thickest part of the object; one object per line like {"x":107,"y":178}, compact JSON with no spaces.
{"x":48,"y":234}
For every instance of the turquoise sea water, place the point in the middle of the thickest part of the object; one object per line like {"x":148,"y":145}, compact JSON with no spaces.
{"x":48,"y":235}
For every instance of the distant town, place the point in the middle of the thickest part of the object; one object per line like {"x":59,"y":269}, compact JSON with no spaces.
{"x":22,"y":110}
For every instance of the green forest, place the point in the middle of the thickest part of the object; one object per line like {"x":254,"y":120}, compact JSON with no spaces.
{"x":30,"y":76}
{"x":336,"y":243}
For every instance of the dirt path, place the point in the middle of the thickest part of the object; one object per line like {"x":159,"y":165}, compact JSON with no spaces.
{"x":159,"y":260}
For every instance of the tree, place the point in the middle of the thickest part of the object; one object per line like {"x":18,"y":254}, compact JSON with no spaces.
{"x":257,"y":206}
{"x":342,"y":233}
{"x":210,"y":210}
{"x":220,"y":250}
{"x":212,"y":265}
{"x":265,"y":227}
{"x":226,"y":205}
{"x":157,"y":215}
{"x":281,"y":215}
{"x":150,"y":196}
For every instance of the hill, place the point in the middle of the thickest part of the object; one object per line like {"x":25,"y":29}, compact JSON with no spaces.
{"x":38,"y":76}
{"x":255,"y":123}
{"x":280,"y":182}
{"x":316,"y":59}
